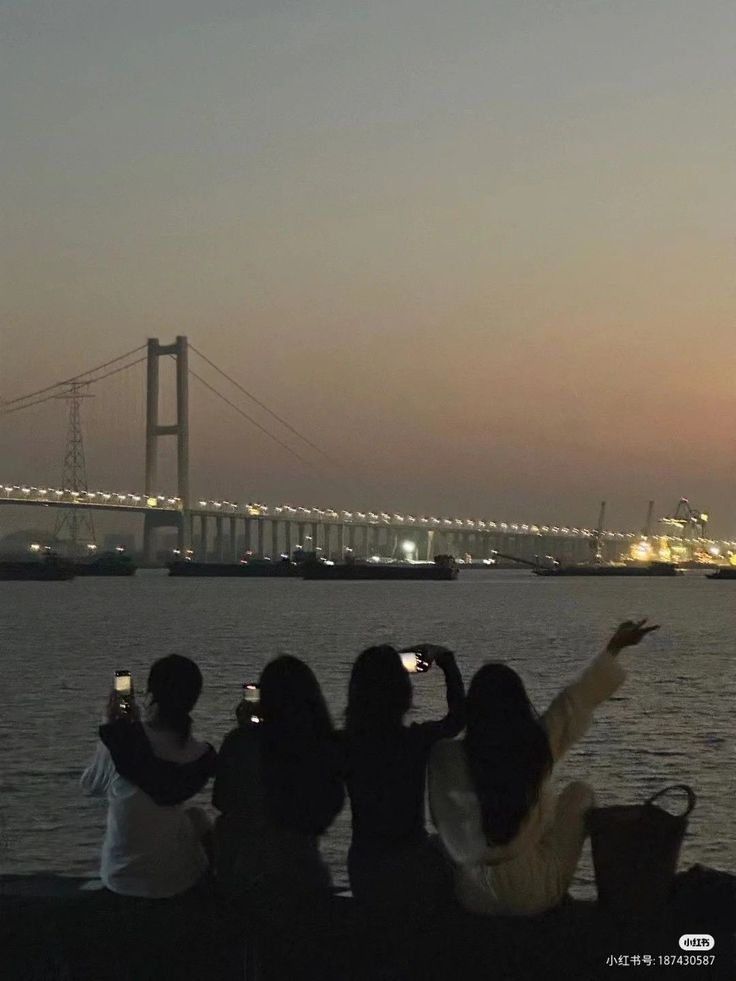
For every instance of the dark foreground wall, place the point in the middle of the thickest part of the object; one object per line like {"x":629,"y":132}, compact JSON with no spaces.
{"x":52,"y":930}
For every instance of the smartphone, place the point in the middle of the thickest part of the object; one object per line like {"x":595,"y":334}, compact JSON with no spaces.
{"x":123,"y":688}
{"x":414,"y":662}
{"x":251,"y":693}
{"x":252,"y":696}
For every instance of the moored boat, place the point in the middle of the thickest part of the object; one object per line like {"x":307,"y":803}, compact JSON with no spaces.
{"x":443,"y":568}
{"x":106,"y":564}
{"x":725,"y":572}
{"x":50,"y":569}
{"x":255,"y":568}
{"x":648,"y":569}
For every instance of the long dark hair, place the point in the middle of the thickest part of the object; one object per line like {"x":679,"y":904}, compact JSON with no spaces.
{"x":298,"y":749}
{"x":379,"y":693}
{"x":507,"y":750}
{"x":291,"y":701}
{"x":175,"y":683}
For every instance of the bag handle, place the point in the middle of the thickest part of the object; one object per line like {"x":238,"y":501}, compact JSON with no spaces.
{"x":691,"y":798}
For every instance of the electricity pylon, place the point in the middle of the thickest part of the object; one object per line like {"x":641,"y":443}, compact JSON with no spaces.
{"x":74,"y":527}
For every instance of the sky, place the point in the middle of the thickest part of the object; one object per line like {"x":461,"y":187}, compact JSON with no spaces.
{"x":480,"y":254}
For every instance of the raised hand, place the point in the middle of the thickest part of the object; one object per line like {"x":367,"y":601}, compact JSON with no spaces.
{"x":114,"y":710}
{"x":628,"y":634}
{"x":433,"y":652}
{"x":246,"y":712}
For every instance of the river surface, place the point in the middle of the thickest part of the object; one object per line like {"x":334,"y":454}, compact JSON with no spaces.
{"x":671,"y":722}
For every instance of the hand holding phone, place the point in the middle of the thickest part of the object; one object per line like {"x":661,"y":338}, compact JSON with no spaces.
{"x":247,"y":711}
{"x":429,"y":654}
{"x":415,"y":662}
{"x":122,"y":700}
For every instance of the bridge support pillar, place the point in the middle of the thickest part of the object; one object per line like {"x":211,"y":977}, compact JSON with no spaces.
{"x":219,"y":539}
{"x":186,"y":532}
{"x":274,"y":539}
{"x":287,"y":538}
{"x":154,"y":520}
{"x":233,"y":542}
{"x":341,"y":541}
{"x":148,"y":543}
{"x":204,"y":544}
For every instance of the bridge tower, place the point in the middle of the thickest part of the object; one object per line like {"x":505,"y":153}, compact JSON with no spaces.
{"x":154,"y":431}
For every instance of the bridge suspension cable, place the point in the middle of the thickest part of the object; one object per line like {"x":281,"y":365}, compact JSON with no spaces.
{"x":266,"y":408}
{"x":344,"y":474}
{"x":14,"y":405}
{"x":250,"y":419}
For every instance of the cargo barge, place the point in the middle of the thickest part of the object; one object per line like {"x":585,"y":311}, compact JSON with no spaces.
{"x":237,"y":570}
{"x":441,"y":569}
{"x":650,"y":569}
{"x":725,"y":572}
{"x":48,"y":570}
{"x":106,"y":564}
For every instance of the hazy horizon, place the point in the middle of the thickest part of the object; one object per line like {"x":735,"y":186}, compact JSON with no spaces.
{"x":482,"y":255}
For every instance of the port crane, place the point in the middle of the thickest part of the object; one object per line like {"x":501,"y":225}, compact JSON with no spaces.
{"x":596,"y":540}
{"x":691,"y":522}
{"x":646,"y":531}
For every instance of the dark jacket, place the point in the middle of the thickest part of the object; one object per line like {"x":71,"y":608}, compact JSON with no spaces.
{"x":297,"y":784}
{"x":386,"y":773}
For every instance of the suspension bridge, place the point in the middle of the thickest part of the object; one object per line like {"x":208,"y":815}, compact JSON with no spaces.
{"x":226,"y":529}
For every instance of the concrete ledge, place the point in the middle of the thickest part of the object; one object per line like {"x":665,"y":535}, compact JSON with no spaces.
{"x":61,"y":929}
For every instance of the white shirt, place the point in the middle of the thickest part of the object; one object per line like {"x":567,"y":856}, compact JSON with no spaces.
{"x":513,"y":876}
{"x":148,"y":850}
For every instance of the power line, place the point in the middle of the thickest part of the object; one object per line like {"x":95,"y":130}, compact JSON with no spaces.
{"x":116,"y":371}
{"x":19,"y":408}
{"x":70,"y":381}
{"x":53,"y":388}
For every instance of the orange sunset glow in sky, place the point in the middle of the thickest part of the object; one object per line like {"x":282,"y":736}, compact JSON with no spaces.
{"x":484,"y":254}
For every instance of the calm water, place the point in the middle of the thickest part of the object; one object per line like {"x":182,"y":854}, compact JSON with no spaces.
{"x":671,"y":722}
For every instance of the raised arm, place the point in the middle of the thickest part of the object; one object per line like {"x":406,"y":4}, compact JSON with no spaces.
{"x":99,"y":774}
{"x":452,"y":723}
{"x":570,"y":714}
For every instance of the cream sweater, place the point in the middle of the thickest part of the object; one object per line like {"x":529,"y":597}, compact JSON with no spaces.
{"x":521,"y":876}
{"x":148,"y":850}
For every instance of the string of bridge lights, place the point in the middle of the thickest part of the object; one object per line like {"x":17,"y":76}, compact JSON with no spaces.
{"x":41,"y":495}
